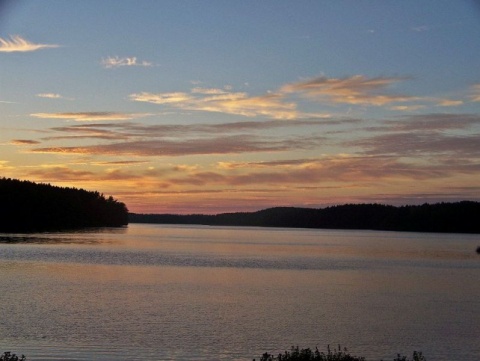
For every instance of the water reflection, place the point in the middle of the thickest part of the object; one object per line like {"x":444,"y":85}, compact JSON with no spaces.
{"x":203,"y":293}
{"x":83,"y":236}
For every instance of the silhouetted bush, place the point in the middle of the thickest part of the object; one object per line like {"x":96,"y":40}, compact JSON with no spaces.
{"x":417,"y":356}
{"x":8,"y":356}
{"x":297,"y":354}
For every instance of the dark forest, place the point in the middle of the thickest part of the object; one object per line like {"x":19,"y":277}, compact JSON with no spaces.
{"x":31,"y":207}
{"x":458,"y":217}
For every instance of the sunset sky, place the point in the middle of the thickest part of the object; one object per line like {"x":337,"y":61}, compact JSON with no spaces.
{"x":216,"y":106}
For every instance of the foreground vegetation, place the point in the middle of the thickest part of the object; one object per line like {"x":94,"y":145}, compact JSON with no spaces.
{"x":32,"y":207}
{"x":459,"y":217}
{"x":296,"y":354}
{"x":8,"y":356}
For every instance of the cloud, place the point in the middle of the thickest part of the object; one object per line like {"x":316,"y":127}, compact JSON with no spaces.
{"x":17,"y":44}
{"x":162,"y":98}
{"x":449,"y":102}
{"x":61,"y":174}
{"x":357,"y":90}
{"x":407,"y":108}
{"x":429,"y":140}
{"x":353,"y":90}
{"x":133,"y":131}
{"x":121,"y":163}
{"x":117,"y":62}
{"x":222,"y":101}
{"x":433,"y":122}
{"x":85,"y":131}
{"x":422,"y":144}
{"x":476,"y":93}
{"x":24,"y":142}
{"x":335,"y":171}
{"x":89,"y":116}
{"x":209,"y":91}
{"x":49,"y":95}
{"x":196,"y":146}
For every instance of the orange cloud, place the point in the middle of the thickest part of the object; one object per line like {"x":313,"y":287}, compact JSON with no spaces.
{"x":162,"y":98}
{"x":356,"y":89}
{"x":339,"y":169}
{"x":89,"y":116}
{"x":217,"y":100}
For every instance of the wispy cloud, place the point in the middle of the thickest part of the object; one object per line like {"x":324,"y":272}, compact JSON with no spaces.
{"x":407,"y":108}
{"x":422,"y":144}
{"x":117,"y":62}
{"x":209,"y":91}
{"x":18,"y":44}
{"x":476,"y":93}
{"x":90,"y":116}
{"x":195,"y":146}
{"x":356,"y":89}
{"x":50,"y":95}
{"x":120,"y":163}
{"x":61,"y":174}
{"x":449,"y":102}
{"x":424,"y":138}
{"x":342,"y":170}
{"x":24,"y":142}
{"x":163,"y":98}
{"x":271,"y":105}
{"x":432,"y":122}
{"x":134,"y":131}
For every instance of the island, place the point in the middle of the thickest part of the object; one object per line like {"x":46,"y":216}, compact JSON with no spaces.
{"x":35,"y":207}
{"x":457,"y":217}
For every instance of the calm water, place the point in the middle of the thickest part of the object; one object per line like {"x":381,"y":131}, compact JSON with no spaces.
{"x":201,"y":293}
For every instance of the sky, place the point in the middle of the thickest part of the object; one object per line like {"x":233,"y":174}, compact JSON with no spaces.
{"x":223,"y":106}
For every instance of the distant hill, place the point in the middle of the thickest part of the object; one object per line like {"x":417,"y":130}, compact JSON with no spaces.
{"x":459,"y":217}
{"x":30,"y":207}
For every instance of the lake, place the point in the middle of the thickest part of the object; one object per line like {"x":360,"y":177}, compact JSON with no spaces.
{"x":166,"y":292}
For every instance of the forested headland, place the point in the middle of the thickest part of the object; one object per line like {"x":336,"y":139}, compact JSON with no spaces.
{"x":32,"y":207}
{"x":458,"y":217}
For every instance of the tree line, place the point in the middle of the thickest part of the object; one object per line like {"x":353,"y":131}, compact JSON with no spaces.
{"x":457,"y":217}
{"x":32,"y":207}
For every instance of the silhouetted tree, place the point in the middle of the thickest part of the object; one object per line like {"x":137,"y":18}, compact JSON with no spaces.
{"x":26,"y":207}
